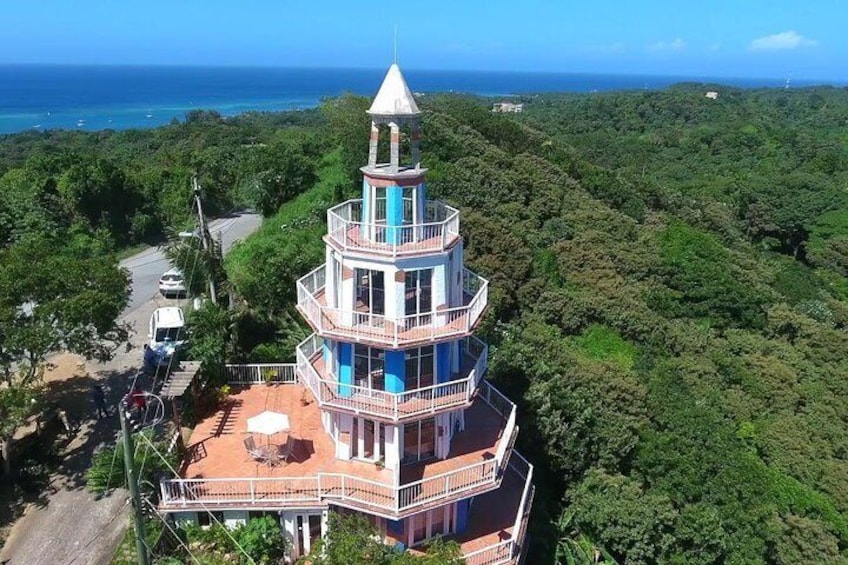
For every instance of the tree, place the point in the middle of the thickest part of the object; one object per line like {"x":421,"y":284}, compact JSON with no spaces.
{"x":209,"y":330}
{"x":283,"y":172}
{"x":347,"y":127}
{"x":262,"y":539}
{"x":54,"y":296}
{"x":630,"y":523}
{"x":828,"y":245}
{"x":575,"y":548}
{"x":351,"y":540}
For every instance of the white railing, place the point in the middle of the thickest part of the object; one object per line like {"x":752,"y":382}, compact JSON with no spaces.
{"x":357,"y":491}
{"x":258,"y":373}
{"x":495,"y":554}
{"x":496,"y":399}
{"x":391,"y":499}
{"x":358,"y":326}
{"x":509,"y":550}
{"x":394,"y":406}
{"x":346,"y":228}
{"x":198,"y":492}
{"x":351,"y":490}
{"x":429,"y":489}
{"x":519,"y":528}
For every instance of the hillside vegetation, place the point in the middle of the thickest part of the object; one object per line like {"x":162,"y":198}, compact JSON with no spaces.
{"x":668,"y":299}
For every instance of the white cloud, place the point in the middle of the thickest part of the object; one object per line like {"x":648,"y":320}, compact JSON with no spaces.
{"x":675,"y":45}
{"x":783,"y":40}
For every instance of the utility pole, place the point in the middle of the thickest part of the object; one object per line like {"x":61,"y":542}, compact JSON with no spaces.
{"x":132,"y":483}
{"x":205,"y":238}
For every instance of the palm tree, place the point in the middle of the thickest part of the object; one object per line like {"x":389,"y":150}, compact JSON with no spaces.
{"x":575,"y":548}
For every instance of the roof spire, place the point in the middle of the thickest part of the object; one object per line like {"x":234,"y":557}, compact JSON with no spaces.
{"x":394,"y":97}
{"x":394,"y":59}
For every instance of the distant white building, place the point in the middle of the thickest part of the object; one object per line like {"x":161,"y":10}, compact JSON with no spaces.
{"x":507,"y":107}
{"x":712,"y":95}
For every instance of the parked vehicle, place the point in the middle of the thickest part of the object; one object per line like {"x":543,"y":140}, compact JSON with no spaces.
{"x":172,"y":283}
{"x":166,"y":334}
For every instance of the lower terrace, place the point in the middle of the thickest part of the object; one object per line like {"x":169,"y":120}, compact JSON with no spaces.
{"x":498,"y":520}
{"x":218,"y":472}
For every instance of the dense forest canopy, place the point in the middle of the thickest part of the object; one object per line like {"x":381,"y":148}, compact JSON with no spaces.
{"x":668,"y":301}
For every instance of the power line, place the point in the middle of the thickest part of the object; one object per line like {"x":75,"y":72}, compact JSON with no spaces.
{"x":205,"y":508}
{"x":170,"y":529}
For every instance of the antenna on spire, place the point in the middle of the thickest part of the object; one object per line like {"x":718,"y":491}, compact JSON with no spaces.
{"x":394,"y":58}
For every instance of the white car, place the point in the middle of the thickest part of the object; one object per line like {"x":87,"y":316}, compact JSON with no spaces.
{"x":166,"y":334}
{"x":172,"y":282}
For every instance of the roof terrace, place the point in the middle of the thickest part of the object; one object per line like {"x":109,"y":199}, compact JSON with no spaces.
{"x":218,"y":472}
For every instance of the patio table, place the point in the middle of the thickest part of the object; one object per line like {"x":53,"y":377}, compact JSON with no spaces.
{"x":269,"y":454}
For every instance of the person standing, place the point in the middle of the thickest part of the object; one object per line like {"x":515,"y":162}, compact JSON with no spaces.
{"x":139,"y":402}
{"x":99,"y":399}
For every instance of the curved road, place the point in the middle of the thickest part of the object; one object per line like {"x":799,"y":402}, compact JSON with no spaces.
{"x":147,"y":266}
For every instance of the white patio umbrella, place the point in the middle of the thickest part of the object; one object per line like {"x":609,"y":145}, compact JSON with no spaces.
{"x":268,"y":423}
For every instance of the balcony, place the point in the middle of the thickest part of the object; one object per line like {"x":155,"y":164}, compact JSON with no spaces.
{"x":383,"y":331}
{"x":217,"y":473}
{"x":498,"y":521}
{"x":346,"y":231}
{"x":388,"y":406}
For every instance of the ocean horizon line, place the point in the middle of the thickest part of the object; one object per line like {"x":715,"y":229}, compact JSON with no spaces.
{"x":819,"y":81}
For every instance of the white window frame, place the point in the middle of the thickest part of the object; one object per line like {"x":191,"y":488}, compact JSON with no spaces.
{"x":448,"y":524}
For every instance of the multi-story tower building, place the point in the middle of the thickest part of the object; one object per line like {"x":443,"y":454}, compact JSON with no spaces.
{"x":402,"y":425}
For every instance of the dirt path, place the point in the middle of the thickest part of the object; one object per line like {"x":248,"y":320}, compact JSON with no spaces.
{"x":67,"y":524}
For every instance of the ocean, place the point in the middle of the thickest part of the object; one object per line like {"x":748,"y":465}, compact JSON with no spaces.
{"x":41,"y":97}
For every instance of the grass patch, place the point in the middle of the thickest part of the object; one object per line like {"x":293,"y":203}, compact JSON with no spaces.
{"x":128,"y":252}
{"x":603,"y":344}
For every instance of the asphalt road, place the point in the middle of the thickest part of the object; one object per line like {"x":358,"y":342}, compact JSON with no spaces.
{"x":147,"y":266}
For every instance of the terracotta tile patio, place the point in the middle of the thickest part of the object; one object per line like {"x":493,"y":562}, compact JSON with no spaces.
{"x":216,"y":451}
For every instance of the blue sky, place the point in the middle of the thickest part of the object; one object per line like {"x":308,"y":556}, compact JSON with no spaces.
{"x":738,"y":38}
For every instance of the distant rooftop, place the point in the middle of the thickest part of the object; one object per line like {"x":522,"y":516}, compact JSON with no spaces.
{"x":394,"y":97}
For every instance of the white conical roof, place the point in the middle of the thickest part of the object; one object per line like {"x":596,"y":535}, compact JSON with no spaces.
{"x":394,"y":97}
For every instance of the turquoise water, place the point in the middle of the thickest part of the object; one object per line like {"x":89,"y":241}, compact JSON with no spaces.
{"x":92,"y":98}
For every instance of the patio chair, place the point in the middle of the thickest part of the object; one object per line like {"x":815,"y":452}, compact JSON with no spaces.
{"x":252,"y":450}
{"x":287,"y":449}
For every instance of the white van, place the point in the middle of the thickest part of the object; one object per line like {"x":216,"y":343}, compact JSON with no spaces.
{"x":166,"y":332}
